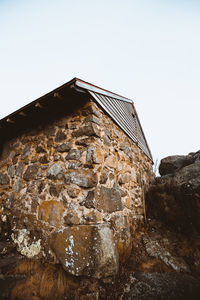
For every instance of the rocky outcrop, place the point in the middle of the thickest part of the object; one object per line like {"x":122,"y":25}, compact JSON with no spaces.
{"x":174,"y":198}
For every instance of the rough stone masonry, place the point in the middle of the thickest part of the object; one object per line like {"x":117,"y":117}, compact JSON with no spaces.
{"x":71,"y":192}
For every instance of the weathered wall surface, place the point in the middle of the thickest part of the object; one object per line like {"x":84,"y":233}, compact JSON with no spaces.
{"x":72,"y":192}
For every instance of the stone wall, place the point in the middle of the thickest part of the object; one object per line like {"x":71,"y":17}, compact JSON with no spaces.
{"x":72,"y":192}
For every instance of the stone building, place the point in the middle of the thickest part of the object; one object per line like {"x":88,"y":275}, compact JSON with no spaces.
{"x":74,"y":168}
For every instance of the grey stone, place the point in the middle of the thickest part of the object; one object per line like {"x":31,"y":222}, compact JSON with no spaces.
{"x":55,"y":172}
{"x":11,"y":171}
{"x":107,"y":199}
{"x":93,"y":119}
{"x":86,"y":250}
{"x":82,"y":178}
{"x":126,"y":149}
{"x":4,"y":179}
{"x":31,"y":172}
{"x":74,"y":154}
{"x":64,"y":147}
{"x":18,"y":185}
{"x":108,"y":133}
{"x":74,"y":165}
{"x":106,"y":140}
{"x":116,"y":132}
{"x":26,"y":152}
{"x":90,"y":130}
{"x":19,"y":169}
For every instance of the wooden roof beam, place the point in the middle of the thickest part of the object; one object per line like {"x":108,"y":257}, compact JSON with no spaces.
{"x":58,"y":96}
{"x":38,"y":105}
{"x":10,"y":120}
{"x":21,"y":113}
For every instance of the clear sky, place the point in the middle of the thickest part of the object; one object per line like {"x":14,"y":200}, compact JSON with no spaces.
{"x":147,"y":50}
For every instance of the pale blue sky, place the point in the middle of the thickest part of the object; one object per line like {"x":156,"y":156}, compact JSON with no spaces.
{"x":146,"y":50}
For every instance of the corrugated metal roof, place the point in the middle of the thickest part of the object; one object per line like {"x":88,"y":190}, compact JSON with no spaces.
{"x":122,"y":111}
{"x":119,"y":108}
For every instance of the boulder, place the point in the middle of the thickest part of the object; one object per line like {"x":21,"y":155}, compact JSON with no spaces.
{"x":87,"y":250}
{"x":171,"y":164}
{"x":174,"y":198}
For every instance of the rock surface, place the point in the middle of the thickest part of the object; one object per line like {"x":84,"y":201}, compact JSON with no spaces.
{"x":175,"y":196}
{"x":86,"y":250}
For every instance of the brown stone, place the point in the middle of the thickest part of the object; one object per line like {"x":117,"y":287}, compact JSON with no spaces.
{"x":107,"y":200}
{"x":87,"y":250}
{"x":72,"y":218}
{"x":93,"y":217}
{"x":51,"y":212}
{"x":104,"y":199}
{"x":72,"y":191}
{"x":40,"y":149}
{"x":43,"y":159}
{"x":111,"y":161}
{"x":122,"y":233}
{"x":124,"y":178}
{"x":31,"y":172}
{"x":55,"y":189}
{"x":103,"y":176}
{"x":85,"y":141}
{"x":60,"y":136}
